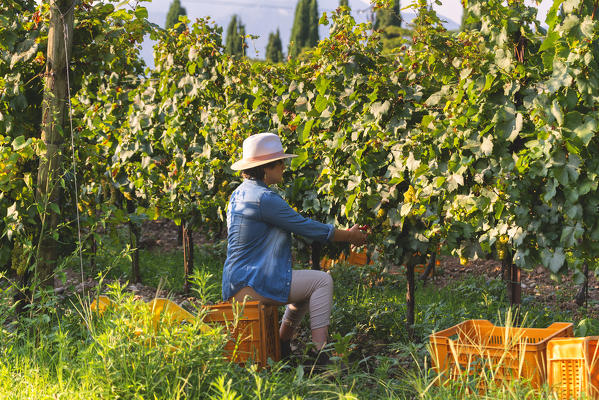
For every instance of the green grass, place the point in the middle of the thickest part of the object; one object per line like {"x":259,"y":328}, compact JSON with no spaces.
{"x":158,"y":268}
{"x":59,"y":349}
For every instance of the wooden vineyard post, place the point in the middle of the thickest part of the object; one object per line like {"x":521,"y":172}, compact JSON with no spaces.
{"x":516,"y":286}
{"x":93,"y":251}
{"x":93,"y":244}
{"x":180,"y":235}
{"x":316,"y":250}
{"x":430,"y":267}
{"x":583,"y":293}
{"x":60,"y":39}
{"x":187,"y":237}
{"x":511,"y":274}
{"x":506,"y":267}
{"x":410,"y":300}
{"x":134,"y":235}
{"x":134,"y":242}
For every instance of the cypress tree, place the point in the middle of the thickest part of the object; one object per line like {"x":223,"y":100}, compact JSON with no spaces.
{"x":313,"y":37}
{"x":174,"y":11}
{"x":235,"y":41}
{"x":241,"y":45}
{"x":274,"y":49}
{"x":231,"y":32}
{"x":388,"y":17}
{"x":344,"y":3}
{"x":300,"y":31}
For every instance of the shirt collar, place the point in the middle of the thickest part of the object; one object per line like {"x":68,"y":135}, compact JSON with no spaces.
{"x":255,"y":182}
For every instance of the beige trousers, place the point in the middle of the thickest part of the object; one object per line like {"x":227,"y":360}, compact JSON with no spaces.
{"x":310,"y":290}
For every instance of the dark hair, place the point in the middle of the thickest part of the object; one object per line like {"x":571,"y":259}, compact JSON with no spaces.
{"x":257,"y":173}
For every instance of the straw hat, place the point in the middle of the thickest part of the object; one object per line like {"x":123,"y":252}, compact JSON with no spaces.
{"x":260,"y":149}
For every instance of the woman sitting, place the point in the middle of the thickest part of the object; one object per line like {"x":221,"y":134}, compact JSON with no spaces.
{"x":258,"y":263}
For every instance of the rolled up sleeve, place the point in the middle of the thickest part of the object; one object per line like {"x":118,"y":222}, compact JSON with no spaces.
{"x":277,"y":212}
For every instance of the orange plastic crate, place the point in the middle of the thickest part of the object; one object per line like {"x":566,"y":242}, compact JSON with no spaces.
{"x":355,"y":258}
{"x":509,"y":353}
{"x":573,"y":367}
{"x":100,"y":304}
{"x":165,"y":308}
{"x":254,"y":334}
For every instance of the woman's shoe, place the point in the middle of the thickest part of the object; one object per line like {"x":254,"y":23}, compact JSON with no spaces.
{"x":318,"y":362}
{"x":285,"y":350}
{"x":321,"y":359}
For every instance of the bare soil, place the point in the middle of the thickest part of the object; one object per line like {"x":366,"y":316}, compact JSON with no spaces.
{"x":159,"y":234}
{"x":536,"y":282}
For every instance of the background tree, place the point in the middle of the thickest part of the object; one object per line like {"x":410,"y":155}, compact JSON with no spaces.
{"x":53,"y":125}
{"x":304,"y":32}
{"x":300,"y":29}
{"x":388,"y":16}
{"x":344,"y":3}
{"x":235,"y":41}
{"x":388,"y":21}
{"x":313,"y":24}
{"x":174,"y":12}
{"x":274,"y":49}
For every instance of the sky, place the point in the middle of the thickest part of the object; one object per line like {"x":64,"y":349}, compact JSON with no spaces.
{"x":261,"y":17}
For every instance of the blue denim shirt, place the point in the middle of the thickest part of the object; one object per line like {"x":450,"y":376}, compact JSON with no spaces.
{"x":259,"y":225}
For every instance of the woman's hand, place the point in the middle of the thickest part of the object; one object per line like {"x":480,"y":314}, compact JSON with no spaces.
{"x":354,"y":235}
{"x":358,"y":236}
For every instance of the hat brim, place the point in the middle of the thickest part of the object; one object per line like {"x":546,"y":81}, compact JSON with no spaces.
{"x":244,"y":164}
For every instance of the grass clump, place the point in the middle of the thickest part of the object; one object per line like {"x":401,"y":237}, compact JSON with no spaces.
{"x":131,"y":357}
{"x":116,"y":354}
{"x":59,"y":348}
